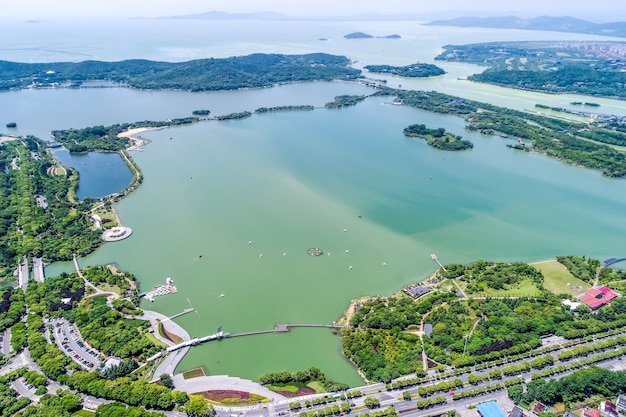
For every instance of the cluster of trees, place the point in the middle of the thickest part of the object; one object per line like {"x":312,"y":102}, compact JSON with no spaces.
{"x":251,"y":71}
{"x":261,"y":110}
{"x":12,"y":308}
{"x":444,"y":386}
{"x":430,"y":402}
{"x":309,"y":375}
{"x":102,"y":274}
{"x":586,"y":269}
{"x":130,"y":391}
{"x":124,"y":368}
{"x":375,"y":340}
{"x":44,"y":298}
{"x":581,"y":267}
{"x":106,"y":330}
{"x":414,"y":70}
{"x":54,"y":232}
{"x":482,"y":275}
{"x":561,"y":144}
{"x":117,"y":409}
{"x":234,"y":116}
{"x":9,"y":403}
{"x":63,"y":404}
{"x":578,"y":386}
{"x":468,"y":332}
{"x":573,"y":78}
{"x":344,"y":101}
{"x":438,"y":138}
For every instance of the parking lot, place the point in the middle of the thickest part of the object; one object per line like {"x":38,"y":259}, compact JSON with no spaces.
{"x":68,"y":339}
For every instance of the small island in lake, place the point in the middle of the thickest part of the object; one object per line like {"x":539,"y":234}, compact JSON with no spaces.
{"x":363,"y":35}
{"x":438,"y":138}
{"x":11,"y":125}
{"x":414,"y":70}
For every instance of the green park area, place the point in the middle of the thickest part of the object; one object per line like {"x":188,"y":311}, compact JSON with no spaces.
{"x":558,"y":279}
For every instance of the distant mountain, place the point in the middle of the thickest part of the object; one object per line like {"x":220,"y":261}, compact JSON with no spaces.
{"x":216,"y":15}
{"x":556,"y":24}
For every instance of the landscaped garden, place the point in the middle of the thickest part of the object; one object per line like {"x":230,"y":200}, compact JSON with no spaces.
{"x":232,"y":397}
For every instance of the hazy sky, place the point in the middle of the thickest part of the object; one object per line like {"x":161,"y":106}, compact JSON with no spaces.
{"x":47,"y":9}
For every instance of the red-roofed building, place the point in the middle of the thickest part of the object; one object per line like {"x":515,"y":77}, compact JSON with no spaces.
{"x":591,"y":412}
{"x":597,"y":297}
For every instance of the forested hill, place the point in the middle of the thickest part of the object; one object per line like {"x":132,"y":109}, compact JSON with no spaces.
{"x":256,"y":70}
{"x":556,"y":24}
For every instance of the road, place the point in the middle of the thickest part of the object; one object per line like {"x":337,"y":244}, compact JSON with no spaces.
{"x":38,"y":269}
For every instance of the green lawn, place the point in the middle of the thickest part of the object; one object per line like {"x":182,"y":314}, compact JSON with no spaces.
{"x":83,"y":413}
{"x":525,"y":288}
{"x":558,"y":279}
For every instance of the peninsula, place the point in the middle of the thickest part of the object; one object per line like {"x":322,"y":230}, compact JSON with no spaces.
{"x":594,"y":68}
{"x":251,"y":71}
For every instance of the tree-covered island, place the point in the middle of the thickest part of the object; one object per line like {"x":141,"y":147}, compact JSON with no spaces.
{"x":417,"y":70}
{"x":438,"y":138}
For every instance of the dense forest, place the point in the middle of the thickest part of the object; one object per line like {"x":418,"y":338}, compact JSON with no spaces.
{"x":256,"y":70}
{"x":589,"y":68}
{"x":413,"y":71}
{"x":38,"y":213}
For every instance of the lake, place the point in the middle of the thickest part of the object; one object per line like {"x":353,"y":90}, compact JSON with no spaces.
{"x":346,"y":181}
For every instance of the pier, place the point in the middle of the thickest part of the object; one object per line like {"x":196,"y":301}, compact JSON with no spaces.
{"x":434,"y":258}
{"x":182,"y":313}
{"x":612,"y":261}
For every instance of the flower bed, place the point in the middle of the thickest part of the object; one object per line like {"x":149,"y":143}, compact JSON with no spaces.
{"x":232,"y":397}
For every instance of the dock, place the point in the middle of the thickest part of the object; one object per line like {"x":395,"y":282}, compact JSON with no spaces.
{"x":434,"y":258}
{"x":168,"y":288}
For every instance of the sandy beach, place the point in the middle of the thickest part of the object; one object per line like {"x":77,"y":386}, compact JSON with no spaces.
{"x":130,"y":133}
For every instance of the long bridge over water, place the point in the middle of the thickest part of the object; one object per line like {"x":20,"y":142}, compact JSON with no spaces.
{"x":280,"y":328}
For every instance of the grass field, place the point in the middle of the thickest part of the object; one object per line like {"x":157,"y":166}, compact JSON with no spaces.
{"x":83,"y":413}
{"x":525,"y":288}
{"x":557,"y":278}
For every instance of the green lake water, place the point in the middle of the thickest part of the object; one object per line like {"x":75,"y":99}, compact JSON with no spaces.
{"x":292,"y":181}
